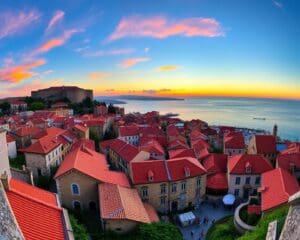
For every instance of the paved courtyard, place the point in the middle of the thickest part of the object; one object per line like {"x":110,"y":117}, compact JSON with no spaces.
{"x":208,"y":211}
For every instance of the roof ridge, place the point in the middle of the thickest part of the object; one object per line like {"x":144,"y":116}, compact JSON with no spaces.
{"x":35,"y":199}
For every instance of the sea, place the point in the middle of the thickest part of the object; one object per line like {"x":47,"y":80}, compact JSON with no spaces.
{"x":238,"y":112}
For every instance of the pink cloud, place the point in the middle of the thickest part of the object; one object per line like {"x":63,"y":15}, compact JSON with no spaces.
{"x":56,"y":42}
{"x":112,"y":52}
{"x":161,"y":27}
{"x":15,"y":22}
{"x":57,"y":17}
{"x":18,"y":73}
{"x":25,"y":89}
{"x":127,"y":63}
{"x":98,"y":75}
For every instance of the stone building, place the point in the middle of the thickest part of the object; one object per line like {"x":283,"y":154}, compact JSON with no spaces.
{"x":169,"y":185}
{"x":73,"y":93}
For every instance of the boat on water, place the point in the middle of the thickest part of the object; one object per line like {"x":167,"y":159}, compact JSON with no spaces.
{"x":259,"y":118}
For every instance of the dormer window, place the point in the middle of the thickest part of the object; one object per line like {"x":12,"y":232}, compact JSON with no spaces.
{"x":248,"y":168}
{"x":187,"y":172}
{"x":150,"y":176}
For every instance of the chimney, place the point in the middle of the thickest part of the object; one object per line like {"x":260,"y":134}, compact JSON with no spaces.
{"x":4,"y":162}
{"x":5,"y":181}
{"x":275,"y":130}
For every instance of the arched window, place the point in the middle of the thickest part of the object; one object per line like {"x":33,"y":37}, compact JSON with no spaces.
{"x":75,"y":189}
{"x":76,"y":205}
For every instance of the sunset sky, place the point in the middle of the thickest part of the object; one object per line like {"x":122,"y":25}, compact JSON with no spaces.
{"x":165,"y":48}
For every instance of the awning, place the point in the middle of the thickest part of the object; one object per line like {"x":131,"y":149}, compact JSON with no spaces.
{"x":187,"y":217}
{"x":228,"y":199}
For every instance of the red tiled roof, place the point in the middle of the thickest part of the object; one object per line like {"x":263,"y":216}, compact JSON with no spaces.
{"x":199,"y":144}
{"x":139,"y":171}
{"x":51,"y":132}
{"x":292,"y":148}
{"x":36,"y":212}
{"x":84,"y":142}
{"x":25,"y":131}
{"x":118,"y":202}
{"x":128,"y":152}
{"x":152,"y":146}
{"x":254,"y":209}
{"x":277,"y":186}
{"x":178,"y":153}
{"x":128,"y":131}
{"x":215,"y":162}
{"x":81,"y":127}
{"x":177,"y":144}
{"x":234,"y":140}
{"x":217,"y":181}
{"x":287,"y":161}
{"x":177,"y":168}
{"x":92,"y":164}
{"x":265,"y":144}
{"x":42,"y":146}
{"x":237,"y":164}
{"x":113,"y":144}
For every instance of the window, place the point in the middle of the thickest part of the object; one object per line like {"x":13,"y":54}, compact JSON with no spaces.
{"x":162,"y":200}
{"x":39,"y":172}
{"x":247,"y":180}
{"x":199,"y":182}
{"x":237,"y":181}
{"x":236,"y":192}
{"x":77,"y":205}
{"x":75,"y":189}
{"x":183,"y":185}
{"x":163,"y":188}
{"x":257,"y":180}
{"x":174,"y":187}
{"x":248,"y":169}
{"x":145,"y":192}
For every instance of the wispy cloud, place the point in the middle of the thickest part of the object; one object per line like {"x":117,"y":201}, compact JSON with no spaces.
{"x":16,"y":22}
{"x":57,"y":17}
{"x":167,"y":68}
{"x":98,"y":75}
{"x":161,"y":27}
{"x":24,"y":88}
{"x":146,"y":49}
{"x":56,"y":42}
{"x":111,"y":52}
{"x":129,"y":62}
{"x":278,"y":4}
{"x":20,"y":72}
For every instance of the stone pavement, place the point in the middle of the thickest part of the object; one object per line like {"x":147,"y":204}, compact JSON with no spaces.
{"x":208,"y":211}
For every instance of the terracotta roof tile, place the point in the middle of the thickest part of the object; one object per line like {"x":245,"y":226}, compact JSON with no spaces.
{"x":117,"y":202}
{"x":92,"y":164}
{"x":217,"y":181}
{"x":277,"y":186}
{"x":36,"y":211}
{"x":265,"y":144}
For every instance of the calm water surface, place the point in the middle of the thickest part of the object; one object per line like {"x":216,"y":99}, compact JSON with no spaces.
{"x":231,"y":111}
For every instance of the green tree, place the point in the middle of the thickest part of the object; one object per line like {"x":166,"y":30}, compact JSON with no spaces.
{"x":79,"y":230}
{"x":37,"y":106}
{"x":158,"y":231}
{"x":5,"y":107}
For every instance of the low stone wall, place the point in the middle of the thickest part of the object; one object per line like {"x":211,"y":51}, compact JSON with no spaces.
{"x":241,"y":226}
{"x":24,"y":175}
